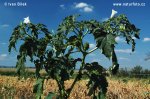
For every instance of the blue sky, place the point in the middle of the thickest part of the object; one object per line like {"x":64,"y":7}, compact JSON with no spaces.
{"x":51,"y":13}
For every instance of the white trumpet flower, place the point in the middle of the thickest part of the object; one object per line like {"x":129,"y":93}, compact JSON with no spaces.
{"x":53,"y":31}
{"x":113,"y":13}
{"x":26,"y":20}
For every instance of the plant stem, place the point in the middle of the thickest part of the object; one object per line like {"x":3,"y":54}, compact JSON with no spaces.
{"x":79,"y":73}
{"x":60,"y":88}
{"x":86,"y":33}
{"x":93,"y":50}
{"x":62,"y":91}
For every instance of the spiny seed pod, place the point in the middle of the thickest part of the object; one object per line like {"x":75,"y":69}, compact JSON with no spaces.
{"x":86,"y":46}
{"x":78,"y":43}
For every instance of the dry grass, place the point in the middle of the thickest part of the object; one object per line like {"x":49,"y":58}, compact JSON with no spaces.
{"x":133,"y":89}
{"x":32,"y":70}
{"x":11,"y":87}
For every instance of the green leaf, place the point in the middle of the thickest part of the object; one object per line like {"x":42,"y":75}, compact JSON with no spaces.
{"x":105,"y":43}
{"x":38,"y":88}
{"x":50,"y":95}
{"x":101,"y":96}
{"x":21,"y":64}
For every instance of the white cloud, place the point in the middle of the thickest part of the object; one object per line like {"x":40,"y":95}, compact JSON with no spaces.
{"x":83,"y":7}
{"x":62,"y":6}
{"x":4,"y":25}
{"x":134,"y":38}
{"x":123,"y":50}
{"x":122,"y":40}
{"x":92,"y":46}
{"x":118,"y":39}
{"x":123,"y":58}
{"x":2,"y":43}
{"x":146,"y":39}
{"x":88,"y":9}
{"x":104,"y":19}
{"x":92,"y":54}
{"x":96,"y":60}
{"x":3,"y":56}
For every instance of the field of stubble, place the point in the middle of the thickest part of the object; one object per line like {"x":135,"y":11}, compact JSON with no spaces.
{"x":12,"y":88}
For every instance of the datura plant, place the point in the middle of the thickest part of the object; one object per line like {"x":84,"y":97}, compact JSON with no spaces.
{"x":55,"y":52}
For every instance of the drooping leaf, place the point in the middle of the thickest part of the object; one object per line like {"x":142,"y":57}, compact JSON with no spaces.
{"x":38,"y":88}
{"x":96,"y":79}
{"x":21,"y":64}
{"x":105,"y":42}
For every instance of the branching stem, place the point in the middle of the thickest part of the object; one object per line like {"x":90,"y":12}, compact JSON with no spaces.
{"x":93,"y":50}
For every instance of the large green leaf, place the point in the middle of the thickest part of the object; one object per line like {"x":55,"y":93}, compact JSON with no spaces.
{"x":38,"y":88}
{"x":105,"y":42}
{"x":96,"y":79}
{"x":21,"y":64}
